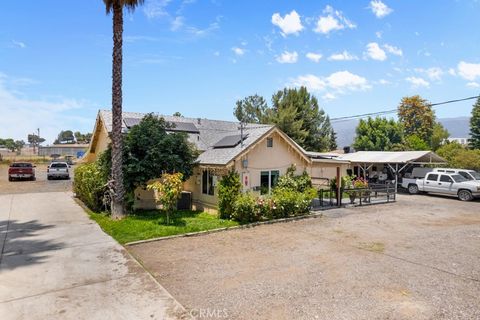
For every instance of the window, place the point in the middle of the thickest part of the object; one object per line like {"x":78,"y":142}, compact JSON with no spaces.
{"x":444,"y":178}
{"x":269,"y":142}
{"x":268,"y":180}
{"x":458,"y":178}
{"x":432,"y":177}
{"x":465,"y":175}
{"x":207,"y":183}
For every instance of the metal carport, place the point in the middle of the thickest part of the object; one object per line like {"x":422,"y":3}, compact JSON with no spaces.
{"x":395,"y":160}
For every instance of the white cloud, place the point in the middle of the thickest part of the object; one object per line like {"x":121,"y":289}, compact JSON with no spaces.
{"x":380,"y":9}
{"x":379,"y":34}
{"x":393,"y":50}
{"x":19,"y":44}
{"x":473,"y":85}
{"x":238,"y":51}
{"x":347,"y":80}
{"x":177,"y":23}
{"x":375,"y":52}
{"x":469,"y":71}
{"x":156,"y":8}
{"x":288,"y":57}
{"x":312,"y":82}
{"x":340,"y":82}
{"x":384,"y":82}
{"x":290,"y":24}
{"x":332,"y":20}
{"x":434,"y":73}
{"x":329,"y":96}
{"x":452,"y":72}
{"x":418,"y":82}
{"x":51,"y":116}
{"x":216,"y":53}
{"x":342,"y":56}
{"x":315,"y":57}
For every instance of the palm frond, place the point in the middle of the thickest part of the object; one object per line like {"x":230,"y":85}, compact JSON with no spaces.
{"x":129,"y":4}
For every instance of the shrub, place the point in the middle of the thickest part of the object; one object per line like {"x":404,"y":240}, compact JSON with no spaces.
{"x":89,"y":185}
{"x":290,"y":181}
{"x":228,"y":191}
{"x":291,"y":203}
{"x":244,"y":208}
{"x":168,"y":191}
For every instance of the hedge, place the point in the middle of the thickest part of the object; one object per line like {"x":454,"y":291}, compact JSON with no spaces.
{"x":89,"y":185}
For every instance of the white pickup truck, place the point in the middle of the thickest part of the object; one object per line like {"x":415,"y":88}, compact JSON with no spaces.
{"x":444,"y":183}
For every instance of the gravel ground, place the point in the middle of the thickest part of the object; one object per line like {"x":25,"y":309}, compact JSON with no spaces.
{"x":40,"y":185}
{"x":418,"y":258}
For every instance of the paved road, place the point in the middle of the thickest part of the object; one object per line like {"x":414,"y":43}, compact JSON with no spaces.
{"x":56,"y":263}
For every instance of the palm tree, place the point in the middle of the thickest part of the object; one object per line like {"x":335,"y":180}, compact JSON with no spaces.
{"x":117,"y":6}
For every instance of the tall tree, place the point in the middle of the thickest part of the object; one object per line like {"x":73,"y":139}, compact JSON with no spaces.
{"x":251,"y":109}
{"x":474,"y":140}
{"x":297,"y":113}
{"x":439,"y":136}
{"x":417,"y":117}
{"x":116,"y":7}
{"x":65,"y":136}
{"x":378,"y":134}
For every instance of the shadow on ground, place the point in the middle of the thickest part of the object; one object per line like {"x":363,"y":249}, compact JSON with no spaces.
{"x":20,"y":244}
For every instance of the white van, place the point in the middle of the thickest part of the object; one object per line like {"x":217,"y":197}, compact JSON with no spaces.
{"x":467,"y":174}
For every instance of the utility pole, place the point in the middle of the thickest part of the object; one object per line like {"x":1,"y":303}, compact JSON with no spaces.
{"x":38,"y":140}
{"x":33,"y":142}
{"x":241,"y":133}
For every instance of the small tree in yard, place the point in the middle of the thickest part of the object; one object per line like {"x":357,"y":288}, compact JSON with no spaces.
{"x":228,"y":192}
{"x":167,"y":191}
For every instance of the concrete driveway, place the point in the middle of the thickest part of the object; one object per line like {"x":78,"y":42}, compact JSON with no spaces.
{"x":56,"y":263}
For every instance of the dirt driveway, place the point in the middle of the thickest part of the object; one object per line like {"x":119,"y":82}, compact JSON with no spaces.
{"x":416,"y":259}
{"x":40,"y":185}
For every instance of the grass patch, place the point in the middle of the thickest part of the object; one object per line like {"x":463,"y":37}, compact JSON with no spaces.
{"x":378,"y":247}
{"x":144,"y":225}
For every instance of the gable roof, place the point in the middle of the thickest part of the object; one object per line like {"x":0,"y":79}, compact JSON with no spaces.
{"x":210,"y":132}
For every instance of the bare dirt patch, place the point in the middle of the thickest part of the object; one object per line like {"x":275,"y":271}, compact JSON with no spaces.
{"x":379,"y":262}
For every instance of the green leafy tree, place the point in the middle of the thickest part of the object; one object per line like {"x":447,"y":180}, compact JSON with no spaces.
{"x":229,"y":188}
{"x":34,"y":139}
{"x":295,"y":112}
{"x":82,"y":137}
{"x":417,"y":117}
{"x":66,"y":136}
{"x":415,"y":143}
{"x":378,"y":134}
{"x":450,"y":150}
{"x":475,"y":126}
{"x":333,"y":140}
{"x":251,"y":109}
{"x":116,"y":7}
{"x":150,"y":152}
{"x":177,"y":114}
{"x":167,"y":191}
{"x":439,"y":136}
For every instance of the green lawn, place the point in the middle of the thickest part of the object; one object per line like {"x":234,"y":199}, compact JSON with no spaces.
{"x":152,"y":224}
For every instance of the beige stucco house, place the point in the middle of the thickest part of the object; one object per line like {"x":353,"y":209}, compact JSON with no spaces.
{"x":259,"y":153}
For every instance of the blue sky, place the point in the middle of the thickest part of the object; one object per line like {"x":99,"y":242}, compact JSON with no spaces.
{"x":199,"y":57}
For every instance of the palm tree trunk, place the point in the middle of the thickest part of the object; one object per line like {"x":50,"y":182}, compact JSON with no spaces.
{"x":118,"y":208}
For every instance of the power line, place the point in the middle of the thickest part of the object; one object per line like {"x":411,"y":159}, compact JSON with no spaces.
{"x":339,"y":119}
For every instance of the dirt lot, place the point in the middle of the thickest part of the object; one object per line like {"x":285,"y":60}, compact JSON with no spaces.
{"x":416,"y":259}
{"x":40,"y":185}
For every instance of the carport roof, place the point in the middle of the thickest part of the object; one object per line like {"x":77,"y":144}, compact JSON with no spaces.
{"x":393,"y":157}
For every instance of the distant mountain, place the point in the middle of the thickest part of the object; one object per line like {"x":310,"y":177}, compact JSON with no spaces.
{"x":457,"y":127}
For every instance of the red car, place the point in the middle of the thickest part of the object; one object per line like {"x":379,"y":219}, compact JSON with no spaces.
{"x":21,"y":170}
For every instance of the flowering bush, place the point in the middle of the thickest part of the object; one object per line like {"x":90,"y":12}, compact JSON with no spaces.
{"x":360,"y":183}
{"x":244,"y":208}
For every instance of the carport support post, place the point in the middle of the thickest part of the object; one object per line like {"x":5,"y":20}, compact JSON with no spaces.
{"x":396,"y":182}
{"x":339,"y":188}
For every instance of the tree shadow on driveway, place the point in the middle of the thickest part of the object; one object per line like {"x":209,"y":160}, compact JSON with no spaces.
{"x":23,"y":243}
